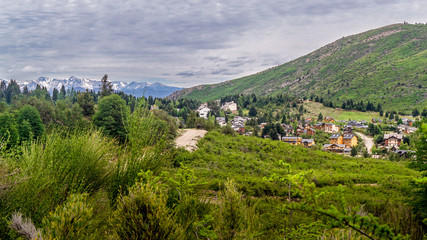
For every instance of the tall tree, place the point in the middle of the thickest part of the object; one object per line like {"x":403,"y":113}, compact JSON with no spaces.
{"x":62,"y":93}
{"x":12,"y":91}
{"x":85,"y":101}
{"x":252,"y":112}
{"x":29,"y":116}
{"x":55,"y":94}
{"x":110,"y":115}
{"x":106,"y":86}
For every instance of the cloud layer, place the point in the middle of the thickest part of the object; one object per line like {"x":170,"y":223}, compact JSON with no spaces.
{"x":183,"y":43}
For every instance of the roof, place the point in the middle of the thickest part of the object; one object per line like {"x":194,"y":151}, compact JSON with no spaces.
{"x":307,"y":140}
{"x":334,"y":136}
{"x":348,"y":136}
{"x":391,"y":135}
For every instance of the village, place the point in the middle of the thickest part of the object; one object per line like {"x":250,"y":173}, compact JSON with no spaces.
{"x":343,"y":136}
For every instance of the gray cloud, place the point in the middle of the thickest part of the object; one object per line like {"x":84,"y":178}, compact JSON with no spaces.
{"x":191,"y":42}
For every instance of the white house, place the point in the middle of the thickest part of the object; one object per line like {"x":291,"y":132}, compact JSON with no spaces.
{"x":232,"y":106}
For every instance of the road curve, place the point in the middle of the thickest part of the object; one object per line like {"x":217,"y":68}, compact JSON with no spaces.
{"x":369,"y":142}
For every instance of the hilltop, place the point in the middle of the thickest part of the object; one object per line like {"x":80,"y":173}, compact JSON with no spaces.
{"x":385,"y":65}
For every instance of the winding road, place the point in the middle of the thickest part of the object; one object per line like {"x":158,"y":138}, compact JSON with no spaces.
{"x":369,"y":142}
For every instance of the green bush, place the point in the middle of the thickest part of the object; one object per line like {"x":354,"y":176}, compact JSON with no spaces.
{"x":73,"y":220}
{"x":52,"y":169}
{"x":143,"y":214}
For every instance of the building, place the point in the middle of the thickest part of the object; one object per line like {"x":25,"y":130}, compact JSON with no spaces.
{"x":406,"y":129}
{"x":392,"y":139}
{"x":329,"y":119}
{"x":230,"y":106}
{"x":336,"y":148}
{"x":350,"y":140}
{"x":331,"y":128}
{"x":307,"y":143}
{"x":348,"y":130}
{"x":221,"y":121}
{"x":336,"y":139}
{"x":292,"y":140}
{"x":203,"y":110}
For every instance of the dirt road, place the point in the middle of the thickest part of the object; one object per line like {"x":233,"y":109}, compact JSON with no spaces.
{"x":369,"y":142}
{"x":189,"y":137}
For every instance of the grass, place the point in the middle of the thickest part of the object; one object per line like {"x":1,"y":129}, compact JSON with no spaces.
{"x":314,"y":108}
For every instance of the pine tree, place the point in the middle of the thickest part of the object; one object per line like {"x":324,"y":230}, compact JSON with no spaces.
{"x":55,"y":94}
{"x":106,"y":86}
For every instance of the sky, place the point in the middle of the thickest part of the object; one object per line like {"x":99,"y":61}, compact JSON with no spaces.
{"x":178,"y":42}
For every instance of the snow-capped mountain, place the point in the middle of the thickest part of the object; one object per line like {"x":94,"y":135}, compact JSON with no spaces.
{"x":137,"y":89}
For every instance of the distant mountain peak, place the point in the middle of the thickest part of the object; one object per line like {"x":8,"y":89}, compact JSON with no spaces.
{"x":137,"y":89}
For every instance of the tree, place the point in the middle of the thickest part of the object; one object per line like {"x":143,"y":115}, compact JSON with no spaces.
{"x":12,"y":91}
{"x":62,"y":93}
{"x":110,"y":115}
{"x":106,"y":86}
{"x":30,"y":125}
{"x":9,"y":135}
{"x":320,"y":117}
{"x":415,"y":112}
{"x":420,"y":197}
{"x":353,"y":151}
{"x":86,"y":102}
{"x":253,"y":112}
{"x":55,"y":94}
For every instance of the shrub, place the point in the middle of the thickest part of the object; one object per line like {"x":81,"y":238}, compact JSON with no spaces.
{"x":72,"y":220}
{"x":57,"y":167}
{"x":143,"y":214}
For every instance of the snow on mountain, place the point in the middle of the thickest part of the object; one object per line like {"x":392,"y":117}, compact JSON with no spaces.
{"x":137,"y":89}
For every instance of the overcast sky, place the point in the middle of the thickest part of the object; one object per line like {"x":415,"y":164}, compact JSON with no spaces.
{"x":178,"y":42}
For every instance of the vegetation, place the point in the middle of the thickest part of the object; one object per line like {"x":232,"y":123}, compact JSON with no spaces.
{"x":384,"y":65}
{"x":83,"y":176}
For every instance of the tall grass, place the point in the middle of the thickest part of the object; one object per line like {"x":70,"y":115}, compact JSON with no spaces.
{"x":147,"y":144}
{"x":55,"y":167}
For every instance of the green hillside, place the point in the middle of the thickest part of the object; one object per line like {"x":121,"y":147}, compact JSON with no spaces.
{"x":386,"y":65}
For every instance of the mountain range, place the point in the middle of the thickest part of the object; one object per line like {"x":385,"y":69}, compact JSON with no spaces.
{"x":137,"y":89}
{"x":387,"y":65}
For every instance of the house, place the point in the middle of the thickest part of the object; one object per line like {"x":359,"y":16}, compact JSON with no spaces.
{"x":204,"y":112}
{"x":377,"y":120}
{"x":329,"y":119}
{"x":154,"y":107}
{"x":292,"y":140}
{"x":348,"y":130}
{"x":336,"y":139}
{"x":336,"y":148}
{"x":331,"y":128}
{"x":309,"y":131}
{"x":319,"y":126}
{"x":221,"y":121}
{"x":350,"y":140}
{"x":408,"y":122}
{"x":405,"y":153}
{"x":289,"y":129}
{"x":230,"y":106}
{"x":307,"y":143}
{"x":406,"y":129}
{"x":392,"y":139}
{"x":300,"y":130}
